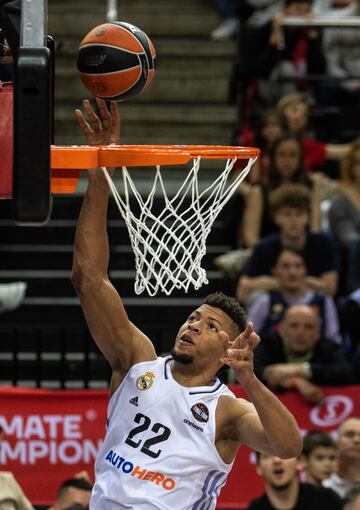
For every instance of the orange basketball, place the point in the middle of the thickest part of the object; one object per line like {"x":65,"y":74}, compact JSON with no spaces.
{"x":116,"y":61}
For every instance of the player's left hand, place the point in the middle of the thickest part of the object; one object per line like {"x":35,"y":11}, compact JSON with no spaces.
{"x":240,"y":356}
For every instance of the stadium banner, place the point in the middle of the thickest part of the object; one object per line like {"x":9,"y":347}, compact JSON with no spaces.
{"x":50,"y":435}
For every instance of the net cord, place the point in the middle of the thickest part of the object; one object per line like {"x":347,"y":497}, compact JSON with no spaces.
{"x":170,"y":246}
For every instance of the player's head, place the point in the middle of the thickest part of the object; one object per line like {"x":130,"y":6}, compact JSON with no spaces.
{"x":319,"y":456}
{"x":290,"y":208}
{"x":199,"y":336}
{"x":278,"y":474}
{"x":73,"y":491}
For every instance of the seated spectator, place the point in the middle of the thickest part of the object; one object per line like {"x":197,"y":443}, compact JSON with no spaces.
{"x":268,"y":130}
{"x":287,"y":53}
{"x":294,"y":110}
{"x":11,"y":494}
{"x":269,"y":308}
{"x":283,"y":490}
{"x":318,"y":457}
{"x":286,"y":166}
{"x":297,"y":356}
{"x":74,"y":491}
{"x":348,"y":445}
{"x":341,"y":49}
{"x":352,"y":498}
{"x":290,"y":206}
{"x":344,"y":216}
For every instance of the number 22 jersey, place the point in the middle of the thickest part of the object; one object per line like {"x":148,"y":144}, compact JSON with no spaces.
{"x":159,"y":450}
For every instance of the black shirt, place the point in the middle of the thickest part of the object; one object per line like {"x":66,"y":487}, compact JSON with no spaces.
{"x":311,"y":497}
{"x":319,"y":251}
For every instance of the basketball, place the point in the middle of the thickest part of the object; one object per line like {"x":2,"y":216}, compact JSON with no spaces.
{"x":116,"y":61}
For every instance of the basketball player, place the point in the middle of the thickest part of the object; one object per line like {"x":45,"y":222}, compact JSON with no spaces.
{"x":173,"y":429}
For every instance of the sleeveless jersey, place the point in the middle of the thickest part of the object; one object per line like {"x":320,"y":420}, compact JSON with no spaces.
{"x":159,"y":450}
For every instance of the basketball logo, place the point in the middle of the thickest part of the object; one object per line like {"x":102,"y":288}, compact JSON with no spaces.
{"x":144,"y":382}
{"x":200,"y":412}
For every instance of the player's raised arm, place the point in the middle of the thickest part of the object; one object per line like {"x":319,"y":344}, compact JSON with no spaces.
{"x":121,"y":342}
{"x":265,"y":425}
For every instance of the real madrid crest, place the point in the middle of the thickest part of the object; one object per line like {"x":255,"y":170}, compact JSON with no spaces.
{"x":144,"y":382}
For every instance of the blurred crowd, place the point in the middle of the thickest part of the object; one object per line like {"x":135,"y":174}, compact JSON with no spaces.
{"x":296,"y":251}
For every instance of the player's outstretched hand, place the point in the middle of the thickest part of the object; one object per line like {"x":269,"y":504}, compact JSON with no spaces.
{"x":102,"y":129}
{"x":240,"y":355}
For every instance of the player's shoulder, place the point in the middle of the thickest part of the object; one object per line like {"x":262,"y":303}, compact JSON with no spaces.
{"x":230,"y":408}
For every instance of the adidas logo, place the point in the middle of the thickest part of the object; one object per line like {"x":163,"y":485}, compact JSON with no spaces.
{"x":134,"y":401}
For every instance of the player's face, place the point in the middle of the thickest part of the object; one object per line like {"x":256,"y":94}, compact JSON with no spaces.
{"x":290,"y":270}
{"x":278,"y":473}
{"x":321,"y":463}
{"x":349,"y":439}
{"x":300,"y":329}
{"x":199,"y":335}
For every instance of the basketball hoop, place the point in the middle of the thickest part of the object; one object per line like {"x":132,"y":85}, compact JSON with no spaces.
{"x":169,"y":246}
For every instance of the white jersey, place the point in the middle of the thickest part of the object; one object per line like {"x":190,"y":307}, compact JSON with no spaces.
{"x":159,"y":450}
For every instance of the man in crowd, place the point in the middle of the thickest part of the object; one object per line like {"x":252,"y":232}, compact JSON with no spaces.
{"x":290,"y":206}
{"x":297,"y":357}
{"x":348,"y":444}
{"x":283,"y":490}
{"x":74,"y":491}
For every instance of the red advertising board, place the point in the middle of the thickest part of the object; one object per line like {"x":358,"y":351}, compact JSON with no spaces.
{"x":51,"y":435}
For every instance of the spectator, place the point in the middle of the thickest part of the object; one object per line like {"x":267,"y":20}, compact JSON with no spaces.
{"x":344,"y":216}
{"x":268,"y":130}
{"x":341,"y":48}
{"x":294,"y":110}
{"x":283,"y":490}
{"x":318,"y":456}
{"x":352,"y":498}
{"x":290,"y":206}
{"x":348,"y":444}
{"x":297,"y":357}
{"x":287,"y":53}
{"x":71,"y":492}
{"x":11,"y":494}
{"x":286,"y":166}
{"x":290,"y":271}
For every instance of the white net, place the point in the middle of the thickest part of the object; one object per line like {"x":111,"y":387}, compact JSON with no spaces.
{"x":169,"y":246}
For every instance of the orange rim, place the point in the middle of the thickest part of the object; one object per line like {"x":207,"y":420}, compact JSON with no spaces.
{"x":83,"y":156}
{"x":68,"y":161}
